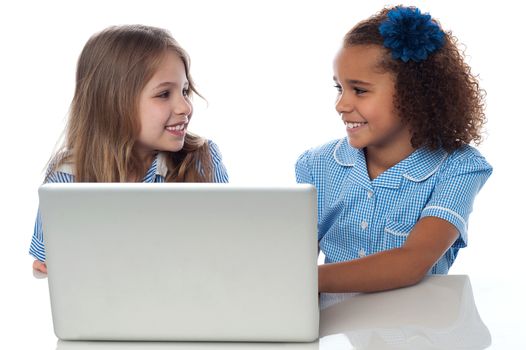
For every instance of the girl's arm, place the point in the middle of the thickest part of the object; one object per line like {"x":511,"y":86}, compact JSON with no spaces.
{"x":37,"y":249}
{"x":394,"y":268}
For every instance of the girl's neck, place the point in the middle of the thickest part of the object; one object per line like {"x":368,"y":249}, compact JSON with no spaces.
{"x":380,"y":159}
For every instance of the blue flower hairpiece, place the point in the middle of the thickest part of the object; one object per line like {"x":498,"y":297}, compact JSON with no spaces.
{"x":410,"y":34}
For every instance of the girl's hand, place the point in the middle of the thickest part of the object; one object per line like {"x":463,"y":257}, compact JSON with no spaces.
{"x":39,"y":266}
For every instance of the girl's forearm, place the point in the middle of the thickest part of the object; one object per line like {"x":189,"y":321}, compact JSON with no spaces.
{"x":386,"y":270}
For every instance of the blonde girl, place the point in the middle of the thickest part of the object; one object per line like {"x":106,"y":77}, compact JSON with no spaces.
{"x":129,"y":118}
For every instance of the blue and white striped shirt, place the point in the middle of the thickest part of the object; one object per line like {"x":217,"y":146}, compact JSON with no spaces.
{"x":156,"y":173}
{"x":358,"y":217}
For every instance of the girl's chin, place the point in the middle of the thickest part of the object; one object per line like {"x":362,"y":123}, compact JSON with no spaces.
{"x":171,"y":148}
{"x":177,"y":148}
{"x":355,"y":144}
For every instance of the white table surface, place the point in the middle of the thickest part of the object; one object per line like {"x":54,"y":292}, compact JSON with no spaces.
{"x":438,"y":313}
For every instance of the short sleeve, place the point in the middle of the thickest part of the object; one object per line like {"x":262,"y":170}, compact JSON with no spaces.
{"x":37,"y":249}
{"x":303,"y":174}
{"x":454,"y":194}
{"x":219,"y":169}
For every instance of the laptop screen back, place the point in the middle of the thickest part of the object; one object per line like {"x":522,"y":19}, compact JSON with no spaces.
{"x":198,"y":262}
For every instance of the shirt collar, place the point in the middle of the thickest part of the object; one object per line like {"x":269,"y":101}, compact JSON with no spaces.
{"x":419,"y":166}
{"x":66,"y":168}
{"x":162,"y":168}
{"x":344,"y":154}
{"x":423,"y":163}
{"x":158,"y":167}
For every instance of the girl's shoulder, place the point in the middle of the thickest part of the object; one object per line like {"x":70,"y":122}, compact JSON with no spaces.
{"x":60,"y":168}
{"x":219,"y":169}
{"x":325,"y":161}
{"x":214,"y":150}
{"x":336,"y":153}
{"x":425,"y":163}
{"x":326,"y":150}
{"x":464,"y":160}
{"x":467,"y":155}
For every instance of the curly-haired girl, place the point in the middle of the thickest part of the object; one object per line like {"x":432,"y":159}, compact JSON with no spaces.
{"x":395,"y":195}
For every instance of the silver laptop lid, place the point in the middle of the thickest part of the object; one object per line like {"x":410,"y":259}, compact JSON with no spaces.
{"x":207,"y":262}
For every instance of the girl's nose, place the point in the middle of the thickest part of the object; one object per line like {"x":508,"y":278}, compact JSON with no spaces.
{"x":344,"y":104}
{"x":182,"y":106}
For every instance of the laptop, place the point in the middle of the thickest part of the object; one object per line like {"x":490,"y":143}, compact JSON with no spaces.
{"x":181,"y":262}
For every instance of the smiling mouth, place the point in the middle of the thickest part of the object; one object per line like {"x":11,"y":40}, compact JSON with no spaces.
{"x":178,"y":127}
{"x":354,"y":125}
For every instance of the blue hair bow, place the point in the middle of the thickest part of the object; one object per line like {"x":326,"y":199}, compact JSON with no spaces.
{"x":410,"y":35}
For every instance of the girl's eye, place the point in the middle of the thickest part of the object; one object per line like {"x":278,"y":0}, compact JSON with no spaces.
{"x":359,"y":91}
{"x":338,"y":88}
{"x":186,"y":92}
{"x":164,"y":94}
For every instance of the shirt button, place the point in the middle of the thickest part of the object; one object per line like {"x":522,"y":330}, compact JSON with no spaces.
{"x":364,"y":224}
{"x":361,"y":253}
{"x":369,"y":194}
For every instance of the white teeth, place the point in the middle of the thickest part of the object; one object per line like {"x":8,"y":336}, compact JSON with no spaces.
{"x":352,"y":125}
{"x":175,"y":128}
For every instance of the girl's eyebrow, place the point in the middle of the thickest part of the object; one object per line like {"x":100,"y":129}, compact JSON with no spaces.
{"x":353,"y":82}
{"x":165,"y":84}
{"x":169,"y":84}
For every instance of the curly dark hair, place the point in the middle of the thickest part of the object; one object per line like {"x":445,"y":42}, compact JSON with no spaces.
{"x":438,"y":97}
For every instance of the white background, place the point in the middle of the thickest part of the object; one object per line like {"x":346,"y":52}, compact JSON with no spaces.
{"x":265,"y":68}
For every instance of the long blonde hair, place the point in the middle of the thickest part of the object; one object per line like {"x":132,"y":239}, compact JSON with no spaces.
{"x":103,"y":124}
